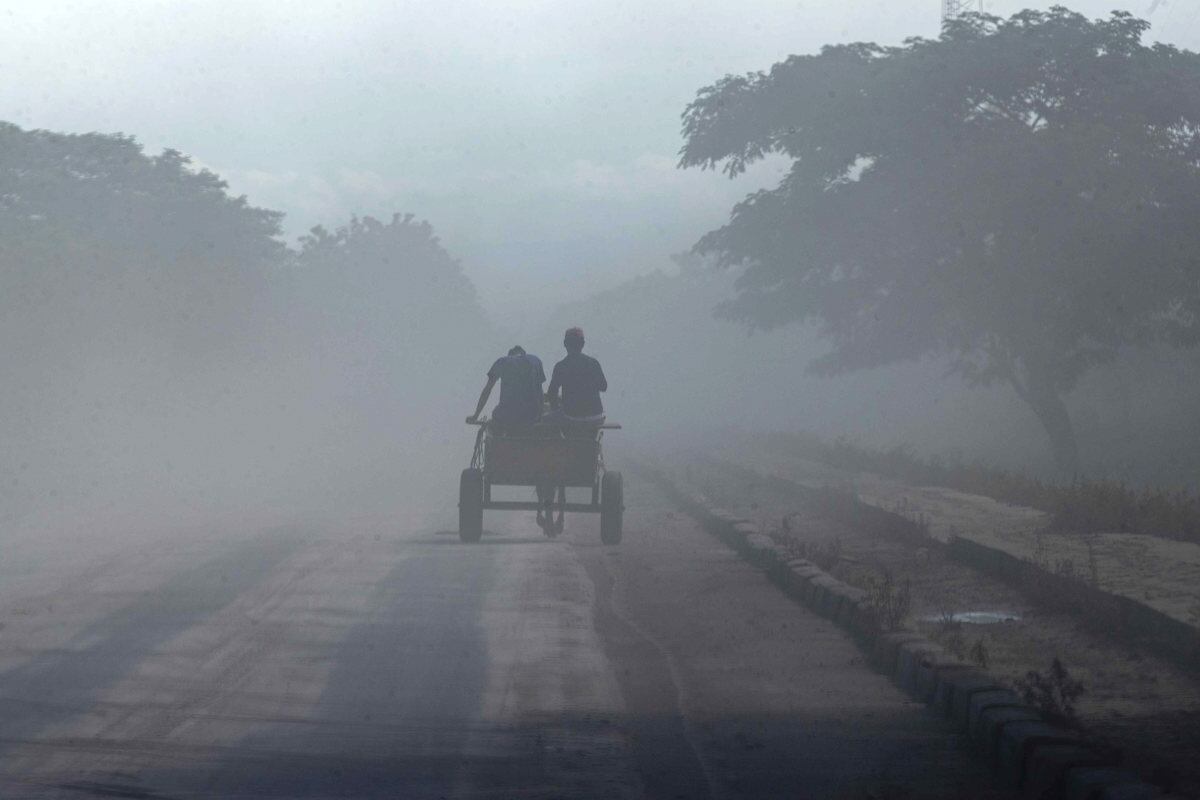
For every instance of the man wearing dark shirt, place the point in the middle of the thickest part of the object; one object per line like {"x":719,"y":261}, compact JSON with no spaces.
{"x":521,"y":377}
{"x":580,"y":379}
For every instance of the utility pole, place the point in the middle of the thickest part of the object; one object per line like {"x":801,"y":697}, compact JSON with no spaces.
{"x":954,"y":8}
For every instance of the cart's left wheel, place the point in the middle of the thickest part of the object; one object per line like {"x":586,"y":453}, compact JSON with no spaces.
{"x":612,"y":507}
{"x":470,"y":505}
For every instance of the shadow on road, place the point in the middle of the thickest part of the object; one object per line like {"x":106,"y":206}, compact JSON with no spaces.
{"x":489,"y":538}
{"x":61,"y":684}
{"x":396,"y":711}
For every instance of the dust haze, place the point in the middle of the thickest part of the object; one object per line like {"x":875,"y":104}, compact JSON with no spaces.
{"x":177,"y":353}
{"x":900,"y":301}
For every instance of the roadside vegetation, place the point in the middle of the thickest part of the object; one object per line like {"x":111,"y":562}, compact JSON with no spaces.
{"x":1063,"y":657}
{"x":1080,"y":506}
{"x":1017,"y":197}
{"x":161,"y":326}
{"x":1054,"y":693}
{"x":889,"y":601}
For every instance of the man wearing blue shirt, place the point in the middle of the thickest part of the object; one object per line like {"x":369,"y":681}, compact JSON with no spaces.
{"x":521,"y":377}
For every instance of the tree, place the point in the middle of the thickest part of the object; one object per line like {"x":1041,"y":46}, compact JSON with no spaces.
{"x":393,"y":341}
{"x":388,"y":303}
{"x":398,"y":269}
{"x":131,"y":291}
{"x":103,"y":244}
{"x":1019,"y":195}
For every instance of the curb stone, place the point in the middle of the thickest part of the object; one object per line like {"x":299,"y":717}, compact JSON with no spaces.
{"x":1044,"y":760}
{"x":885,"y":649}
{"x":1091,"y":783}
{"x":1016,"y":743}
{"x":931,"y":675}
{"x":1046,"y":773}
{"x":941,"y":673}
{"x":954,"y":694}
{"x":913,"y":659}
{"x":992,"y":723}
{"x":983,"y":710}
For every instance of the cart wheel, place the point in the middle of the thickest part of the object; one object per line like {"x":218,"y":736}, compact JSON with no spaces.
{"x":470,"y":505}
{"x":612,"y":507}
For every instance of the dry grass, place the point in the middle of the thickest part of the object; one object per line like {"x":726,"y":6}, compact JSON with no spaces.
{"x":1082,"y":506}
{"x":889,"y":601}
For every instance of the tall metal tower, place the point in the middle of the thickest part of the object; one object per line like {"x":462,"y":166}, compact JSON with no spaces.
{"x":953,"y":8}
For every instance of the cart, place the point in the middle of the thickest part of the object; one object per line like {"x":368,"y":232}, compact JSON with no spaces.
{"x":553,"y":456}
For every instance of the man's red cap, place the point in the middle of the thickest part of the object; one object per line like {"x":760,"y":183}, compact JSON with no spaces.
{"x":573,"y":333}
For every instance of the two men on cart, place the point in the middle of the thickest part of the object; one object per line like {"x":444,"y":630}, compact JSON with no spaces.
{"x":573,"y":400}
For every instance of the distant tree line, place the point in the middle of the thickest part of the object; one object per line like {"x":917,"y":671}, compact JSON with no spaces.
{"x":135,"y":287}
{"x":90,"y":224}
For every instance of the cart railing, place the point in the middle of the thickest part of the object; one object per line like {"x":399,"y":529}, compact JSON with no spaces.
{"x":558,"y":453}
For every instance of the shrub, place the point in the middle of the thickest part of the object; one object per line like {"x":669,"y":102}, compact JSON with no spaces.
{"x":825,"y":554}
{"x":888,"y":603}
{"x":949,"y":633}
{"x":1053,"y":694}
{"x":979,"y":653}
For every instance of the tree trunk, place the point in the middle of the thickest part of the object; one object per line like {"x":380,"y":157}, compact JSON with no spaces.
{"x":1043,"y":397}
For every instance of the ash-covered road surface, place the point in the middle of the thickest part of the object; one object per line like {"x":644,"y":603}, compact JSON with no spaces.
{"x":403,"y":664}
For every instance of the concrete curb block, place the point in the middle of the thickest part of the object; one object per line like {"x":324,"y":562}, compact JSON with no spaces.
{"x":1026,"y":751}
{"x":993,"y":721}
{"x":1092,"y":783}
{"x":885,"y":649}
{"x":1046,"y":773}
{"x":969,"y":713}
{"x":955,"y":694}
{"x":1016,"y":744}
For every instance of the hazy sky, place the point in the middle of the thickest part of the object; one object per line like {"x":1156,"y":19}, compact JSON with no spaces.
{"x":539,"y":137}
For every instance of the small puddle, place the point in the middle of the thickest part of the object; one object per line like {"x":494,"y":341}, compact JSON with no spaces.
{"x":978,"y":617}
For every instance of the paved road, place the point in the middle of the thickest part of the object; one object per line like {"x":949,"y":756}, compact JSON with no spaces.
{"x":357,"y":663}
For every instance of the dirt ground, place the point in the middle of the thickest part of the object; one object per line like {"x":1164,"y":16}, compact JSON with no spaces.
{"x":1162,"y":573}
{"x":1141,"y":704}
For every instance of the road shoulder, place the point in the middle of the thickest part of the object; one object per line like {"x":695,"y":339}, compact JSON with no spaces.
{"x":772,"y":699}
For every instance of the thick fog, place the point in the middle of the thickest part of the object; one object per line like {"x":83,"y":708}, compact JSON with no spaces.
{"x":540,"y":138}
{"x":172,"y":362}
{"x":181,"y":349}
{"x":898,"y":317}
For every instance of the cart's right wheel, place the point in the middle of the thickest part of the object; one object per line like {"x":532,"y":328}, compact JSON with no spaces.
{"x":470,"y":505}
{"x":612,"y":507}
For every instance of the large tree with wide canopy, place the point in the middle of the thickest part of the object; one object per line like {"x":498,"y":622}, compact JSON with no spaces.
{"x":1020,"y":195}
